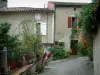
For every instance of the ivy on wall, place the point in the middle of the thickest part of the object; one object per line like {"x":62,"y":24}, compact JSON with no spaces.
{"x":87,"y":19}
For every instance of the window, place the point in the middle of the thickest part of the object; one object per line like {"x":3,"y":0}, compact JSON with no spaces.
{"x":37,"y":16}
{"x":74,"y":9}
{"x":38,"y":28}
{"x":72,"y":22}
{"x":69,"y":22}
{"x":43,"y":28}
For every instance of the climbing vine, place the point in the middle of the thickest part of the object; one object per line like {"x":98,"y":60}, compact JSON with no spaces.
{"x":87,"y":19}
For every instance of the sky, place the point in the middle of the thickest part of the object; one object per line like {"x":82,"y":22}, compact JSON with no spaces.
{"x":37,"y":3}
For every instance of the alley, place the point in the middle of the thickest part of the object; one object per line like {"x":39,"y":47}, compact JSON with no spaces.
{"x":76,"y":66}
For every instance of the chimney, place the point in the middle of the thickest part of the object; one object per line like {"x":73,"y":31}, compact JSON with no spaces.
{"x":44,"y":5}
{"x":3,"y":3}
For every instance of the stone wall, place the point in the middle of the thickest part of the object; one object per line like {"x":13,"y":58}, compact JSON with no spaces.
{"x":96,"y":52}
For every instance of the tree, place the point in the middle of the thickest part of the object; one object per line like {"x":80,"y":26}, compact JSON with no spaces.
{"x":89,"y":22}
{"x":31,"y":38}
{"x":6,"y":41}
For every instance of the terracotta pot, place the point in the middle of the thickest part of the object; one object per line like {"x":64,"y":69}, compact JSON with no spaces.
{"x":12,"y":65}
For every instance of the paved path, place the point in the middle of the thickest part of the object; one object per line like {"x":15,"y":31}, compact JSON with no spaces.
{"x":78,"y":66}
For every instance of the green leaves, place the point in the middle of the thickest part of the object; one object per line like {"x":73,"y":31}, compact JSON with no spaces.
{"x":87,"y":18}
{"x":95,"y":1}
{"x":89,"y":23}
{"x":4,"y":28}
{"x":61,"y":44}
{"x":5,"y":39}
{"x":81,"y":49}
{"x":74,"y":33}
{"x":59,"y":53}
{"x":31,"y":42}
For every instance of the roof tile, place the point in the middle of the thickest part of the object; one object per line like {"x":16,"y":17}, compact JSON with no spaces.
{"x":68,"y":3}
{"x":25,"y":9}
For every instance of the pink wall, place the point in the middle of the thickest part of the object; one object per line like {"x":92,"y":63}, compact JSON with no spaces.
{"x":50,"y":6}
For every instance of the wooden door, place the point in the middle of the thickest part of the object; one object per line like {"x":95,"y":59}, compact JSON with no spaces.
{"x":73,"y":43}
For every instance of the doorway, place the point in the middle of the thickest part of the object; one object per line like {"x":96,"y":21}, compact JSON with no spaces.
{"x":73,"y":43}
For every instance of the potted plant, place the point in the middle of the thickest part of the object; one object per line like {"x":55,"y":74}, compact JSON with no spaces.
{"x":61,"y":44}
{"x":11,"y":61}
{"x":56,"y":43}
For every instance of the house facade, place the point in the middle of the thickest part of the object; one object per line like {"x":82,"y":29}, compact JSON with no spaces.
{"x":17,"y":15}
{"x":57,"y":19}
{"x":64,"y":16}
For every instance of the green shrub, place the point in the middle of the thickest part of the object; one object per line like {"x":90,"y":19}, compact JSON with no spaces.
{"x":61,"y":43}
{"x":82,"y":50}
{"x":68,"y":52}
{"x":31,"y":38}
{"x":58,"y":53}
{"x":11,"y":42}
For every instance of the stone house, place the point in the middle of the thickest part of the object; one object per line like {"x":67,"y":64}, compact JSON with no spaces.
{"x":16,"y":15}
{"x":56,"y":20}
{"x":64,"y":16}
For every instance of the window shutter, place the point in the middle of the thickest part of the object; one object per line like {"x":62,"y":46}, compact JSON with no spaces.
{"x":69,"y":22}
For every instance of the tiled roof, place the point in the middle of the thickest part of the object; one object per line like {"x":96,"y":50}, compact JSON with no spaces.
{"x":25,"y":9}
{"x":68,"y":3}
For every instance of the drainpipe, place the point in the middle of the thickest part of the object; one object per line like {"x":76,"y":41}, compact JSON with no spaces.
{"x":47,"y":27}
{"x":54,"y":24}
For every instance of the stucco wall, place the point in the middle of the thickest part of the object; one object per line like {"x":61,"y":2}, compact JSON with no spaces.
{"x":96,"y":52}
{"x":3,"y":3}
{"x":16,"y":18}
{"x":62,"y":14}
{"x":62,"y":30}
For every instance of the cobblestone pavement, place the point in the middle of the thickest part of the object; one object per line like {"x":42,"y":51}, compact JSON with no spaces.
{"x":78,"y":66}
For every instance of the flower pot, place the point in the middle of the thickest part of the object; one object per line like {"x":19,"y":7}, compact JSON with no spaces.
{"x":12,"y":65}
{"x":56,"y":43}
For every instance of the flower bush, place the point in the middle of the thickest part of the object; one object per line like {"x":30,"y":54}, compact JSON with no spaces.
{"x":85,"y":49}
{"x":68,"y":52}
{"x":81,"y":49}
{"x":88,"y":21}
{"x":87,"y":18}
{"x":60,"y":53}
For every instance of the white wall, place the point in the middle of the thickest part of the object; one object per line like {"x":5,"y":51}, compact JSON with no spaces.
{"x":16,"y":18}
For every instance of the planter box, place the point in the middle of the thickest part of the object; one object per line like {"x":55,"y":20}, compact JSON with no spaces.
{"x":28,"y":69}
